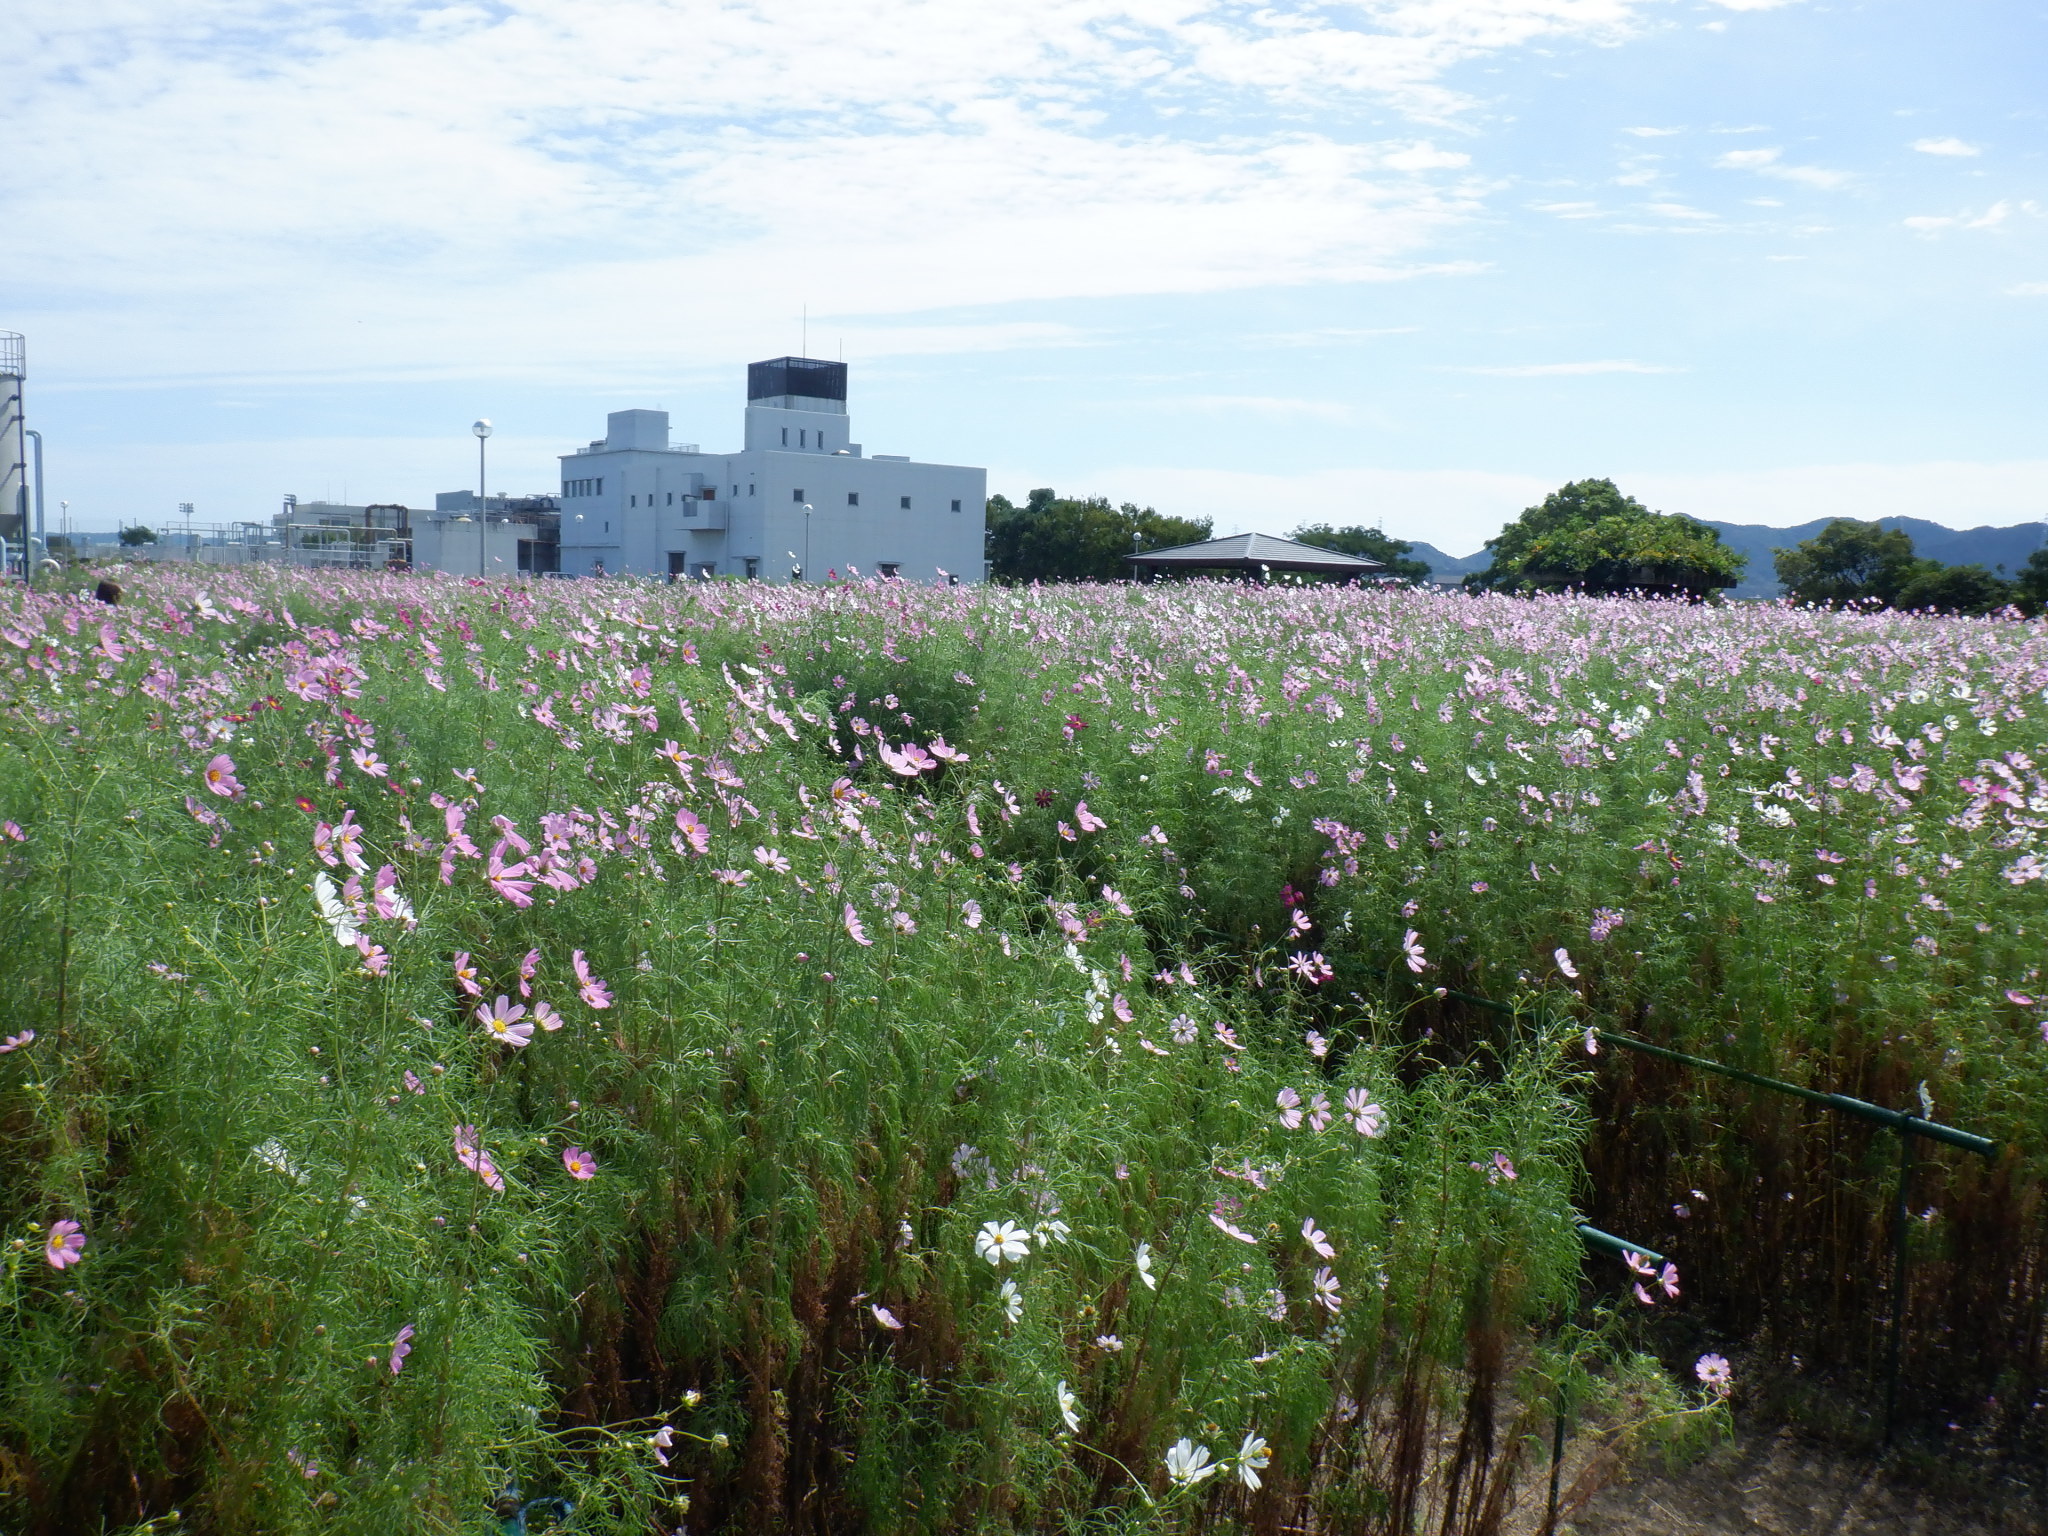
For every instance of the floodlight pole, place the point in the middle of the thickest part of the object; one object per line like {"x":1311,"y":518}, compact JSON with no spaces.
{"x":482,"y":428}
{"x":28,"y":546}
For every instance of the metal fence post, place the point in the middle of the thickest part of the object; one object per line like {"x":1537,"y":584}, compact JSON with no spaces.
{"x":1901,"y":1262}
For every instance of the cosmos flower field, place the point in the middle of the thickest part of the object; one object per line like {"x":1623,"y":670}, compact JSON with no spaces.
{"x":897,"y":1059}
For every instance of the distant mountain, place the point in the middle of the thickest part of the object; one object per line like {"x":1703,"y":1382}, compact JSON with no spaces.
{"x":1447,"y":570}
{"x":1998,"y":549}
{"x":2002,"y":550}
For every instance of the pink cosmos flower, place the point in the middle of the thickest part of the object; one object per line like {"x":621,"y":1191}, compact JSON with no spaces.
{"x":1319,"y":1113}
{"x":1316,"y":1238}
{"x":65,"y":1244}
{"x":886,"y":1318}
{"x":1563,"y":957}
{"x":854,"y":930}
{"x":511,"y":881}
{"x":1290,"y":1108}
{"x":401,"y":1347}
{"x":1592,"y":1041}
{"x":1318,"y":1047}
{"x":1229,"y":1230}
{"x":365,"y":760}
{"x":970,"y":913}
{"x":1328,"y":1294}
{"x":1714,"y":1374}
{"x":527,"y":970}
{"x":1637,"y":1264}
{"x":581,"y":1164}
{"x":1366,"y":1117}
{"x":466,"y":975}
{"x":1668,"y":1279}
{"x":1412,"y":948}
{"x":11,"y":830}
{"x":375,"y":961}
{"x":695,"y":836}
{"x":660,"y":1441}
{"x":1066,"y":832}
{"x":413,"y":1083}
{"x":545,"y":1016}
{"x":17,"y":1042}
{"x":505,"y":1021}
{"x":592,"y":990}
{"x":944,"y":753}
{"x":1120,"y":1007}
{"x":1502,"y":1168}
{"x":473,"y":1157}
{"x":768,"y":858}
{"x":220,"y":777}
{"x":1086,"y":819}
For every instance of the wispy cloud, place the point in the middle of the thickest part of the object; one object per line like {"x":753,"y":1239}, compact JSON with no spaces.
{"x":642,"y":180}
{"x":2029,"y":290}
{"x":1990,"y":218}
{"x":1946,"y":147}
{"x":1653,"y":133}
{"x":1770,"y":162}
{"x":1566,"y":370}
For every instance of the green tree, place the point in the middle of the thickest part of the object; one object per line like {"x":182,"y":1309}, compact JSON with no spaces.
{"x":130,"y":537}
{"x":2030,"y":587}
{"x":1588,"y":537}
{"x":1849,"y":562}
{"x":1369,"y":542}
{"x":1052,"y":538}
{"x":1939,"y":588}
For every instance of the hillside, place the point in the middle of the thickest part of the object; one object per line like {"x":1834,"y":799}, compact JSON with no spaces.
{"x":2001,"y":549}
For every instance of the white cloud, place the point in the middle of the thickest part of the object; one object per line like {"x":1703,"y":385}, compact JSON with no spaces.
{"x":363,"y":186}
{"x":1653,"y":133}
{"x":1752,"y":5}
{"x":1569,"y":210}
{"x":1680,"y":211}
{"x":1269,"y":406}
{"x":2029,"y":290}
{"x":1990,"y":218}
{"x":1566,"y":370}
{"x":1945,"y":147}
{"x":1769,"y":162}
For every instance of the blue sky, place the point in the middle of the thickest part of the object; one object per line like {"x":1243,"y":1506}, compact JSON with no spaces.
{"x":1411,"y":262}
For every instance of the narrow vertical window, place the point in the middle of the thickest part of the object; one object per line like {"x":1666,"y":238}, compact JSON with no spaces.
{"x":785,"y":437}
{"x":903,"y":502}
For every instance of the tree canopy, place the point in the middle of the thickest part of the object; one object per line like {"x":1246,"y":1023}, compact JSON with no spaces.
{"x":1356,"y":539}
{"x":138,"y":535}
{"x":1055,"y":538}
{"x":1589,"y":537}
{"x":1851,"y":562}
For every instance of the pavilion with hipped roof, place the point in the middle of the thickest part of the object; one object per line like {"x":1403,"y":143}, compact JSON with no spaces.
{"x":1250,"y":554}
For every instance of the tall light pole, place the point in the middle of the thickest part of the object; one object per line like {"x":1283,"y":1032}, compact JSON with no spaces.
{"x":28,"y":546}
{"x":807,"y":542}
{"x":191,"y":553}
{"x":482,"y":428}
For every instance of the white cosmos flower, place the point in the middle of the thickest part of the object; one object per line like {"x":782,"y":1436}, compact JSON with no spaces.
{"x":333,"y":913}
{"x":1188,"y":1463}
{"x":1012,"y":1300}
{"x":1251,"y":1456}
{"x":1144,"y":1261}
{"x":1067,"y":1401}
{"x":1049,"y":1232}
{"x":1001,"y":1240}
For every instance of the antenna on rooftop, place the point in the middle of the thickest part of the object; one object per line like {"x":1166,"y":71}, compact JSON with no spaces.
{"x":804,"y":346}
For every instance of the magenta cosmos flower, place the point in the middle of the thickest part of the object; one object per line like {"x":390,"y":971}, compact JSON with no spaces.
{"x":400,"y":1348}
{"x":506,"y":1021}
{"x":220,"y":777}
{"x":581,"y":1164}
{"x":65,"y":1244}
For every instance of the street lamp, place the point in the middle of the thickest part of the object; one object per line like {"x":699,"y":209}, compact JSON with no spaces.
{"x":807,"y":535}
{"x":482,"y":428}
{"x":191,"y":552}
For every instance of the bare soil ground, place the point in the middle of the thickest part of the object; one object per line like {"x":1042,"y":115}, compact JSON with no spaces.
{"x":1777,"y":1483}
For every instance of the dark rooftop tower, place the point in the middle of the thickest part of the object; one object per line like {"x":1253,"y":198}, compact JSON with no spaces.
{"x":785,"y":380}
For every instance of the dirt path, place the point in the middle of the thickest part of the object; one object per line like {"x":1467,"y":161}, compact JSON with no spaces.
{"x":1778,"y":1484}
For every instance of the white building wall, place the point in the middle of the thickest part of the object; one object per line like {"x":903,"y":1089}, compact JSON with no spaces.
{"x":642,"y":507}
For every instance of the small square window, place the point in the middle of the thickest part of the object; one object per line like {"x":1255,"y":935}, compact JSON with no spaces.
{"x":956,"y":504}
{"x":903,"y":502}
{"x":890,"y":570}
{"x":796,"y":495}
{"x":853,"y":498}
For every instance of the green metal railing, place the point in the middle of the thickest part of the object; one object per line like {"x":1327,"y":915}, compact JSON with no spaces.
{"x":1905,"y":1125}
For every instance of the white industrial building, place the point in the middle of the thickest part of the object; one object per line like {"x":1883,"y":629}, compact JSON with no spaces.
{"x":799,"y":501}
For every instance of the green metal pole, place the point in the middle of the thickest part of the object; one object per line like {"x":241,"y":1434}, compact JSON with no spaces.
{"x":1901,"y":1259}
{"x":1556,"y":1463}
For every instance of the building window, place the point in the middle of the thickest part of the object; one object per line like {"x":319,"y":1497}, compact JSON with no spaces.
{"x":632,"y":501}
{"x":956,"y":503}
{"x":709,"y":493}
{"x":803,"y":438}
{"x":853,"y":498}
{"x":785,"y":437}
{"x":736,"y":490}
{"x":903,"y":502}
{"x":890,"y":570}
{"x":753,"y":569}
{"x":796,"y":495}
{"x":671,"y":498}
